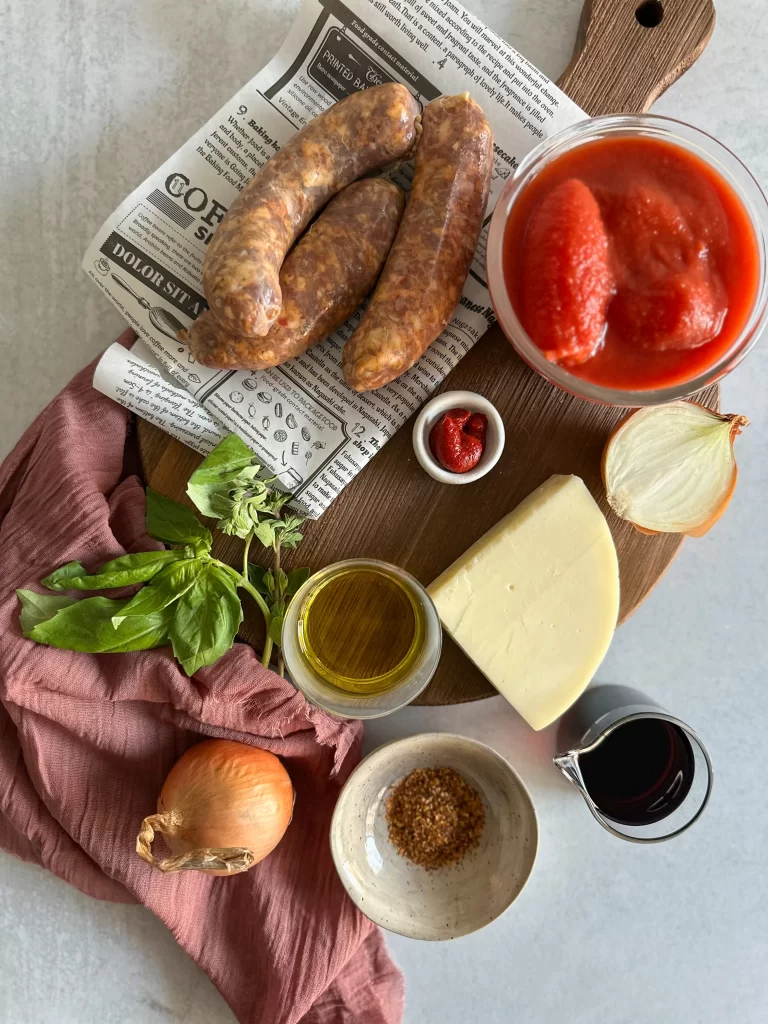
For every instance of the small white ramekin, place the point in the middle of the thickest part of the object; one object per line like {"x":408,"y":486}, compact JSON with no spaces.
{"x":431,"y":413}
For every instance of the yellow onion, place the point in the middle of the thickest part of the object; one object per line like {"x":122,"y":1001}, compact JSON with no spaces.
{"x":223,"y":808}
{"x":671,"y":468}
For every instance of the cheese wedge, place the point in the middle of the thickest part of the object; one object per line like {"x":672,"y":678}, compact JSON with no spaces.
{"x":534,"y":602}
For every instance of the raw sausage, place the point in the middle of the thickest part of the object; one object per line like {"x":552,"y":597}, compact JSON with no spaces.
{"x":430,"y":259}
{"x":360,"y":134}
{"x":324,"y":279}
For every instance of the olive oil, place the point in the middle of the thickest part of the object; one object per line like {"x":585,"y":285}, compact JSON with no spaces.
{"x":362,"y":630}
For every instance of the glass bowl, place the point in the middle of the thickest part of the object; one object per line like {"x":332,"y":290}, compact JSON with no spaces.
{"x":680,"y":134}
{"x":316,"y":686}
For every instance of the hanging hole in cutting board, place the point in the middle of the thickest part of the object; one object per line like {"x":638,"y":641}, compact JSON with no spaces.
{"x":650,"y":14}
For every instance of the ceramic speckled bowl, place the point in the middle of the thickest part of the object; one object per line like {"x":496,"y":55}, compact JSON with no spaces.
{"x":449,"y":902}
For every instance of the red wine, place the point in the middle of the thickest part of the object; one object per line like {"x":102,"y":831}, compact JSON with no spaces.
{"x":641,"y":772}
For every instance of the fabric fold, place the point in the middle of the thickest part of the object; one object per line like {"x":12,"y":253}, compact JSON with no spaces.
{"x":87,"y":740}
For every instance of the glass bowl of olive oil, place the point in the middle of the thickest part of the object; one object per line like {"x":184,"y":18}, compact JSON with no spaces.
{"x":361,"y":638}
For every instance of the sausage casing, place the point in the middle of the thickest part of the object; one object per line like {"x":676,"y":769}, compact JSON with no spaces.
{"x":424,"y":275}
{"x":360,"y":134}
{"x":324,"y":279}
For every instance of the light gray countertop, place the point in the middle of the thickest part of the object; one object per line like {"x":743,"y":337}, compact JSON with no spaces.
{"x":95,"y":95}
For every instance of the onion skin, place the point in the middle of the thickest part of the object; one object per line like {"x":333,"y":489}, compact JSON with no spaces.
{"x":737,"y":425}
{"x":223,"y":808}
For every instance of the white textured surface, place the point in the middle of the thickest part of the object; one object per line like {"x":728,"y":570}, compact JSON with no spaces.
{"x":96,"y":94}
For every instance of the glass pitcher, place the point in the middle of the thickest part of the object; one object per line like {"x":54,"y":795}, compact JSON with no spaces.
{"x":645,"y":775}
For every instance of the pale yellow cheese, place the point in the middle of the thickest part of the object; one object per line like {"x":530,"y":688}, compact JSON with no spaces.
{"x":534,"y":602}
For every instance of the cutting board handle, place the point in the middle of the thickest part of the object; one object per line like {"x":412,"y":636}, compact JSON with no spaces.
{"x":629,"y":51}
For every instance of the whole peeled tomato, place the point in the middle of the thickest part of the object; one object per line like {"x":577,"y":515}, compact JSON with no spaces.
{"x":567,"y":276}
{"x":649,"y":233}
{"x":680,"y":312}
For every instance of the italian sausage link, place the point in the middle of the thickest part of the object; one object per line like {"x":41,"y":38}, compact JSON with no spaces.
{"x":360,"y":134}
{"x":430,"y":259}
{"x":324,"y":279}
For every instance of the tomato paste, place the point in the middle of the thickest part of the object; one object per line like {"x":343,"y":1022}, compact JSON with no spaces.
{"x":457,"y":440}
{"x":632,"y":263}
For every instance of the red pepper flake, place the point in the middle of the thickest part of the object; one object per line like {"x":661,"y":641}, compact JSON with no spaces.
{"x":457,"y":440}
{"x":434,"y":817}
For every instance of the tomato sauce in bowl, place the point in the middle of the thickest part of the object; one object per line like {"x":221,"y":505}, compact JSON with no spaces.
{"x":681,"y":258}
{"x":628,"y":262}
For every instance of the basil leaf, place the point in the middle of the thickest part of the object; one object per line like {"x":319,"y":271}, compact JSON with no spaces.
{"x":57,"y":579}
{"x":296,"y":579}
{"x":173,"y":523}
{"x":276,"y":629}
{"x":256,"y":575}
{"x":230,"y":465}
{"x":87,"y":626}
{"x":37,"y":608}
{"x":269,"y":581}
{"x":167,"y":587}
{"x":141,"y":560}
{"x":120,"y":572}
{"x":205,"y":619}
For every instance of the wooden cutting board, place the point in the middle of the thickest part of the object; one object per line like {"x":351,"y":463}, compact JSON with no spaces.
{"x":625,"y":56}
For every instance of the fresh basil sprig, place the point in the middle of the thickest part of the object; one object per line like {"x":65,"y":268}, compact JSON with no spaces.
{"x":189,"y":599}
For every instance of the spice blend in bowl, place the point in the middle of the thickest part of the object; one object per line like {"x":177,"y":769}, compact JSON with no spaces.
{"x":435,"y":817}
{"x":434,"y":836}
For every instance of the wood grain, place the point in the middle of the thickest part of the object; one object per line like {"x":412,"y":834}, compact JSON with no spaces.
{"x":620,"y":66}
{"x":393,"y":510}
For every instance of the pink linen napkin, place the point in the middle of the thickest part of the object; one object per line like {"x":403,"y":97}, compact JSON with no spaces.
{"x":86,"y":742}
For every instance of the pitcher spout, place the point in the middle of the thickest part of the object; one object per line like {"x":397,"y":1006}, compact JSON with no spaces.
{"x":568,"y":764}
